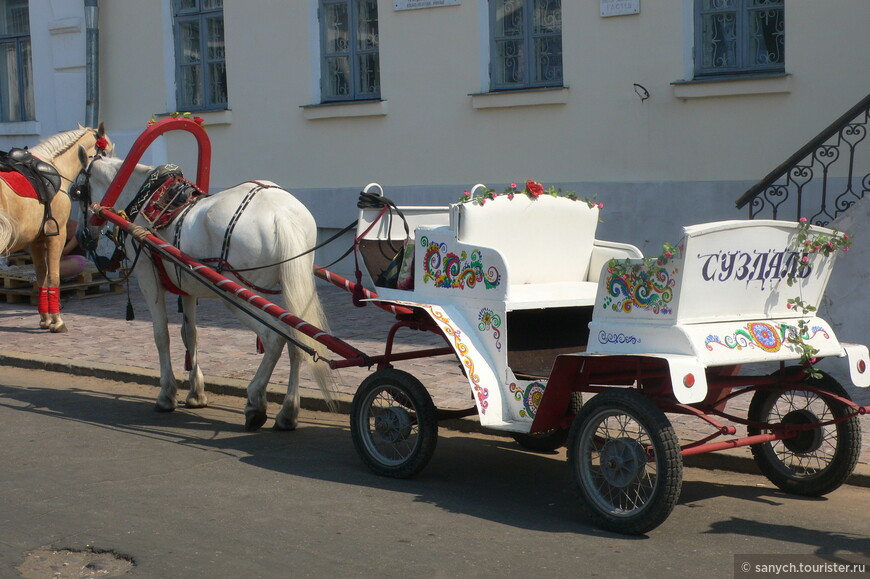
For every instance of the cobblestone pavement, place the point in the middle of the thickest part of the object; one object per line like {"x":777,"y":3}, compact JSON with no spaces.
{"x":100,"y":335}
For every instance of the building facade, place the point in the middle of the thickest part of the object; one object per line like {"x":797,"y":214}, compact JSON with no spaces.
{"x":666,"y":110}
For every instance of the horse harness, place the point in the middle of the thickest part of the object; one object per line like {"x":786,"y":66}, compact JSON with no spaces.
{"x":42,"y":176}
{"x":165,"y":197}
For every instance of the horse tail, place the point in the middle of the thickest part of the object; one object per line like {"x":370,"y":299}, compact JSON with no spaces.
{"x":301,"y":298}
{"x":8,"y":233}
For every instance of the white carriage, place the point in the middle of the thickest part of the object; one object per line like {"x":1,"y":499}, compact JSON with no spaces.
{"x":541,"y":313}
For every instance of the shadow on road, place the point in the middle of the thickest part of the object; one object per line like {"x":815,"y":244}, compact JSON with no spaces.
{"x":485,"y":477}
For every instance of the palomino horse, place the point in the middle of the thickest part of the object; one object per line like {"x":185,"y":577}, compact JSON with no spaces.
{"x":255,"y":226}
{"x":23,"y":220}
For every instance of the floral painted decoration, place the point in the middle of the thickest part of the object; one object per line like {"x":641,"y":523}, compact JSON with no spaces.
{"x":532,"y":189}
{"x":809,"y":245}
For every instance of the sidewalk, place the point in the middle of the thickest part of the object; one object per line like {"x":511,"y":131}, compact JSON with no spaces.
{"x":100,"y":342}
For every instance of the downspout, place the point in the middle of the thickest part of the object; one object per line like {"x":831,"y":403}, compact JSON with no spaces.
{"x":92,"y":63}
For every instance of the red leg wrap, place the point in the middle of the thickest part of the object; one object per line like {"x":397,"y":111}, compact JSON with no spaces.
{"x":43,"y":300}
{"x":53,"y":300}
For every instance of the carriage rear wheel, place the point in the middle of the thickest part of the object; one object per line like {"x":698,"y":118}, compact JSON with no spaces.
{"x":625,"y":462}
{"x":393,"y":424}
{"x":818,"y":459}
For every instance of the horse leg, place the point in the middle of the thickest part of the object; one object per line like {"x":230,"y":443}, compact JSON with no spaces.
{"x":255,"y":409}
{"x":54,"y":249}
{"x":38,"y":256}
{"x":288,"y":417}
{"x":196,"y":397}
{"x":154,"y":296}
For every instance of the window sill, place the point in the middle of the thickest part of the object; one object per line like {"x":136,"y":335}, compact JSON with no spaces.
{"x":344,"y":110}
{"x":209,"y":118}
{"x":732,"y":86}
{"x":20,"y":128}
{"x":520,"y":98}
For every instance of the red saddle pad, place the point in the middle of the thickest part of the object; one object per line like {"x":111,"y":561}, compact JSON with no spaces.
{"x":19,"y":183}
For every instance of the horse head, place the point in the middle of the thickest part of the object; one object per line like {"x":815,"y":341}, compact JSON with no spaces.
{"x":96,"y":174}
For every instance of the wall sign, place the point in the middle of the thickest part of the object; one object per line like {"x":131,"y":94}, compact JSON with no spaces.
{"x":415,"y":4}
{"x":619,"y":7}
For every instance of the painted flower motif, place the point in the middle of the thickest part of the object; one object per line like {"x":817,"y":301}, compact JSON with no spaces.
{"x":535,"y":189}
{"x":198,"y":120}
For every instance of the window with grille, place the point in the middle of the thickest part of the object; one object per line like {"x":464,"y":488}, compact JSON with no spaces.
{"x":734,"y":37}
{"x":200,"y":55}
{"x":16,"y":69}
{"x":526,"y":45}
{"x":350,"y":67}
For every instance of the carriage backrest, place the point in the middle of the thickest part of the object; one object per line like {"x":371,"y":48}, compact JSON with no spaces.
{"x":543,"y":240}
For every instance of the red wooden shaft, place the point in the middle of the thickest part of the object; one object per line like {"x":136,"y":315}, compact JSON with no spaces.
{"x":230,"y":287}
{"x":348,"y":285}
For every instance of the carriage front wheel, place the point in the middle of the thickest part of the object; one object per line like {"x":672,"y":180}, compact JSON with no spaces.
{"x":820,"y":457}
{"x":393,"y":424}
{"x":625,"y":462}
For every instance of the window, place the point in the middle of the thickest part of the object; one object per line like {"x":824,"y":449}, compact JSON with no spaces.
{"x":739,"y":36}
{"x":526,"y":44}
{"x":350,"y":68}
{"x":16,"y":70}
{"x":200,"y":55}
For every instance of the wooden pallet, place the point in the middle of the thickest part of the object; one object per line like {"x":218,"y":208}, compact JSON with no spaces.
{"x":18,"y":285}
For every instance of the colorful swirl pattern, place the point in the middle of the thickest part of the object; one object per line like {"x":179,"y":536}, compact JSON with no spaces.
{"x":530,"y":397}
{"x":449,"y":270}
{"x":650,"y":290}
{"x":763,"y":336}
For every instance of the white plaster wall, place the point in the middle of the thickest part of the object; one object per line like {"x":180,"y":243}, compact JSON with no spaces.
{"x":58,"y":51}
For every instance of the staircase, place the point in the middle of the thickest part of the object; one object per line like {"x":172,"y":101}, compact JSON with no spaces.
{"x":821,"y":180}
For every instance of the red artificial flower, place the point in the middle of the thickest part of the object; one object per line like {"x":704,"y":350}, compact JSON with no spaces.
{"x":198,"y":120}
{"x":102,"y":143}
{"x":534,"y":189}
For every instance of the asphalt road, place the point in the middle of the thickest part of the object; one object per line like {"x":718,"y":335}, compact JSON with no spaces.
{"x":88,"y":463}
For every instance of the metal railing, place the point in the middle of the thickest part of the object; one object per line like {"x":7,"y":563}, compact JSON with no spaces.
{"x":827,"y":175}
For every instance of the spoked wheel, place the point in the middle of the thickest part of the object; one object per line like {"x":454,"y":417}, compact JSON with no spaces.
{"x":625,"y":462}
{"x":818,"y":459}
{"x":393,"y":424}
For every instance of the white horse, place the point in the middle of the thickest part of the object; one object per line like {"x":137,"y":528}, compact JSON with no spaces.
{"x":271,"y":227}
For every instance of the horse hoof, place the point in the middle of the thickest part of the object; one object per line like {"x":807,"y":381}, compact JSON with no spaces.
{"x":61,"y":329}
{"x":44,"y":325}
{"x":254,"y":420}
{"x":159,"y":407}
{"x":196,"y":401}
{"x":282,"y":425}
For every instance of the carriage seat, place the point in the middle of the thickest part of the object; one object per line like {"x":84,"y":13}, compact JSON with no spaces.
{"x":548,"y":244}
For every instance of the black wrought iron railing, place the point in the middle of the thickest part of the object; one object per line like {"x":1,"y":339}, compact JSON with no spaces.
{"x":825,"y":177}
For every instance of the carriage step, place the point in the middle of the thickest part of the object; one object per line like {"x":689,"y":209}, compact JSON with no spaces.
{"x":18,"y":285}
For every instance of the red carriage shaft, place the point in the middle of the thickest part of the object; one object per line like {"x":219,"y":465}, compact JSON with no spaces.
{"x":231,"y":288}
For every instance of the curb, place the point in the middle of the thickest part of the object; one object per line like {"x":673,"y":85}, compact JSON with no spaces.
{"x":731,"y":460}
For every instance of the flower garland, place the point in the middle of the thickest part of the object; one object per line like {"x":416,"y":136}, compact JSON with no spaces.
{"x":809,"y":244}
{"x":532,"y":189}
{"x":175,"y":115}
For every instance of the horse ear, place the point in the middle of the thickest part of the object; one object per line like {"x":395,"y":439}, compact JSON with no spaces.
{"x":83,"y":157}
{"x":80,"y":126}
{"x":101,"y":130}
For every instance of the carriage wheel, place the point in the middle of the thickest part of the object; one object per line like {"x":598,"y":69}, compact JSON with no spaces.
{"x":625,"y":462}
{"x":816,"y":461}
{"x":545,"y":441}
{"x":549,"y":440}
{"x":393,"y":424}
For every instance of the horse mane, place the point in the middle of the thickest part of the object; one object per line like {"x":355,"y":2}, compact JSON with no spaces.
{"x":59,"y":144}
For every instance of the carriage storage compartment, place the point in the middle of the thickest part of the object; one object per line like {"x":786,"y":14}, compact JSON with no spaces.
{"x":385,"y":241}
{"x":536,"y":337}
